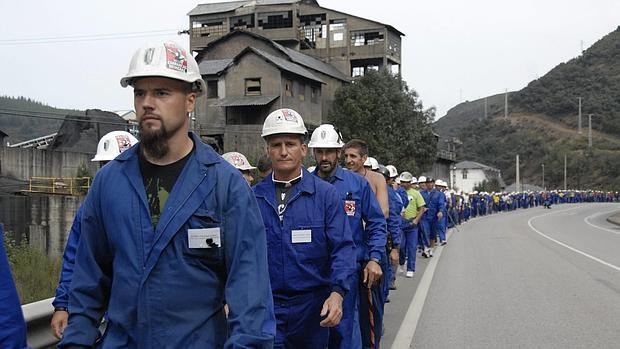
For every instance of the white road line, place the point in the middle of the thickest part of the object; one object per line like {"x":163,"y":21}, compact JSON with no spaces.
{"x":404,"y":337}
{"x":529,"y":222}
{"x":587,"y":220}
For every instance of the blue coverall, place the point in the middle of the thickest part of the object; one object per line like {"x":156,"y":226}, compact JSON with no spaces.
{"x":12,"y":325}
{"x":68,"y":262}
{"x":304,"y":273}
{"x":393,"y":223}
{"x":367,"y":225}
{"x":159,"y":292}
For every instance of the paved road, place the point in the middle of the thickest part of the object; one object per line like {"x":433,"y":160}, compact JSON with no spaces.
{"x":532,"y":278}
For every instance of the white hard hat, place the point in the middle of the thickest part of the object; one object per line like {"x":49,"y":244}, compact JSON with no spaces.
{"x":326,"y":136}
{"x":238,"y":160}
{"x":422,"y":179}
{"x":112,"y":144}
{"x":167,"y":59}
{"x":393,"y":171}
{"x":374,"y":164}
{"x":283,"y":121}
{"x":414,"y":180}
{"x":405,"y":177}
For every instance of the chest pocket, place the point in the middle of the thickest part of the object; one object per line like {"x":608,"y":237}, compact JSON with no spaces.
{"x":204,"y":219}
{"x":317,"y":248}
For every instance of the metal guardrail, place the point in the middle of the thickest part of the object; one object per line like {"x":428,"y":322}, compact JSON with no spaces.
{"x":38,"y":316}
{"x":59,"y":185}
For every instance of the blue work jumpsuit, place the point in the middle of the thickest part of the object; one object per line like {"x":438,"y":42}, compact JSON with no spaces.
{"x":159,"y":292}
{"x":68,"y":262}
{"x":367,"y":225}
{"x":305,"y":272}
{"x":12,"y":325}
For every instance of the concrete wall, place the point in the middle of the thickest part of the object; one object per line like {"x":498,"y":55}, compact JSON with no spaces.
{"x":44,"y":220}
{"x":25,"y":163}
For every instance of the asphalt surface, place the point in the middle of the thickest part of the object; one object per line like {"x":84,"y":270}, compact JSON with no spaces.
{"x":531,"y":278}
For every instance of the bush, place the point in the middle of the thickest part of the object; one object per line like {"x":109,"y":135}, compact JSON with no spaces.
{"x":36,"y":275}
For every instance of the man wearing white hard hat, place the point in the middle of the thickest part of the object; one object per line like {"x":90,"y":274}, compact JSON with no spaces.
{"x":441,"y":223}
{"x":310,"y":246}
{"x":241,"y":163}
{"x":109,"y":147}
{"x":412,"y":216}
{"x":169,"y":231}
{"x":369,"y":234}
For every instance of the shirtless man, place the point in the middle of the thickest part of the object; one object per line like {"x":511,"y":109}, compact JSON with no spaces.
{"x":355,"y":154}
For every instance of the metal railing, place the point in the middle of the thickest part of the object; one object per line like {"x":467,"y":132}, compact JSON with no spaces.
{"x":59,"y":185}
{"x":446,"y":154}
{"x":38,"y":316}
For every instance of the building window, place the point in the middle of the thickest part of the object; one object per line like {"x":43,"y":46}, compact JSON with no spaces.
{"x":362,"y":38}
{"x":242,"y":22}
{"x":464,"y":172}
{"x":301,"y":91}
{"x":208,"y":27}
{"x":288,"y":88}
{"x":314,"y":95}
{"x":275,"y":20}
{"x":337,"y":32}
{"x":357,"y":71}
{"x":252,"y":87}
{"x":212,"y":89}
{"x":314,"y":29}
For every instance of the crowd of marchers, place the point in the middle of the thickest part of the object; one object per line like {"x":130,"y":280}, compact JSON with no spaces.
{"x":463,"y":206}
{"x":176,"y":246}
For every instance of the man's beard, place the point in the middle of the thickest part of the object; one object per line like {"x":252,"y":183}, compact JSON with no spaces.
{"x":155,"y":142}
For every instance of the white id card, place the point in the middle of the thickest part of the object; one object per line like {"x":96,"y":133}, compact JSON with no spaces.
{"x":301,"y":236}
{"x":203,"y":238}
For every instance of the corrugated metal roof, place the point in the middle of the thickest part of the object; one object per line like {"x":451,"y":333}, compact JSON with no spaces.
{"x":313,"y":63}
{"x":287,"y":65}
{"x":214,"y":67}
{"x":240,"y":101}
{"x":473,"y":165}
{"x":221,"y":7}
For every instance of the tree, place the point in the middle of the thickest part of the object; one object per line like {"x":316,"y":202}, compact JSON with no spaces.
{"x":380,"y":109}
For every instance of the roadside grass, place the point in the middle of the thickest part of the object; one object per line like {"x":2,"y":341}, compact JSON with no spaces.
{"x":35,"y":274}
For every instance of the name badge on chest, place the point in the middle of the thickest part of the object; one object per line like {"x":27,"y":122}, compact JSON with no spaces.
{"x":203,"y":238}
{"x":301,"y":236}
{"x":349,"y":207}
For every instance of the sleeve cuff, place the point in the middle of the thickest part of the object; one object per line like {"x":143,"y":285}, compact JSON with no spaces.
{"x":376,"y":256}
{"x":339,"y":290}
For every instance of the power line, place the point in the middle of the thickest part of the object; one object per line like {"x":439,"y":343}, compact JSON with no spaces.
{"x":91,"y":37}
{"x":65,"y":118}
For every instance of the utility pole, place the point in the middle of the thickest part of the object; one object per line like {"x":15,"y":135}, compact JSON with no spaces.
{"x":506,"y":104}
{"x":485,"y":107}
{"x":564,"y":172}
{"x":517,"y":181}
{"x":589,"y":130}
{"x":543,"y":177}
{"x":579,"y":118}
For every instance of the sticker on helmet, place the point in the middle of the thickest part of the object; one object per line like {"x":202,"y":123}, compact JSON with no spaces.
{"x":123,"y":143}
{"x":237,"y":160}
{"x":288,"y":115}
{"x":176,"y":58}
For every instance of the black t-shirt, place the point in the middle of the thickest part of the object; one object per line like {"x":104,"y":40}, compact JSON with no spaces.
{"x":158,"y":182}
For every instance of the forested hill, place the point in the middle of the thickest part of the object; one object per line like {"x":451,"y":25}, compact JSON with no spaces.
{"x":22,"y":118}
{"x":542,"y":123}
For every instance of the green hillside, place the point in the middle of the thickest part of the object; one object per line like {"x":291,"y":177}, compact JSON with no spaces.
{"x":23,"y":119}
{"x":542,"y":124}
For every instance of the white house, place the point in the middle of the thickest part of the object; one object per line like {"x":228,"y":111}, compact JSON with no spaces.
{"x":466,"y":175}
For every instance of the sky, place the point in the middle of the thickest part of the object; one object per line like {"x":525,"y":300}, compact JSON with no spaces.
{"x":72,"y":54}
